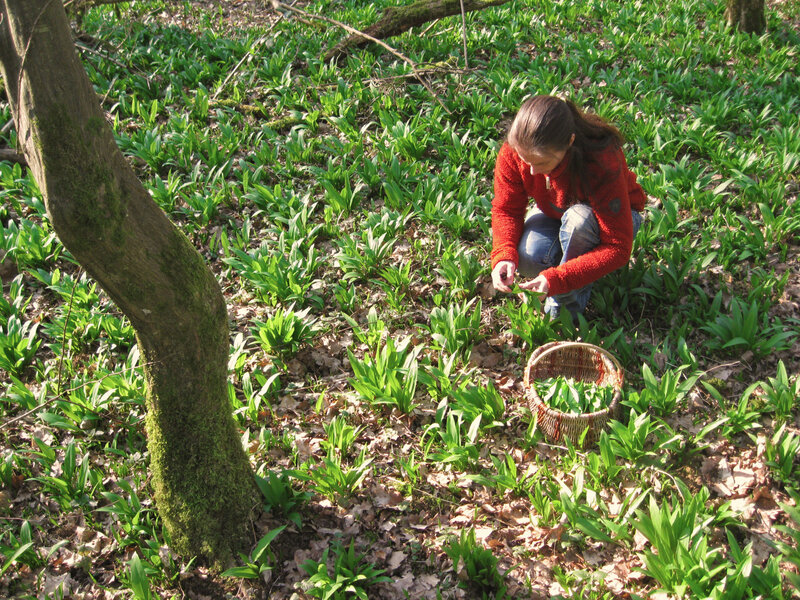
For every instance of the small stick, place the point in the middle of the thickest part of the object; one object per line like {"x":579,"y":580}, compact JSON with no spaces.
{"x":103,"y":55}
{"x":374,"y":40}
{"x":247,"y":56}
{"x":464,"y":34}
{"x":432,"y":25}
{"x":64,"y":333}
{"x":60,"y":396}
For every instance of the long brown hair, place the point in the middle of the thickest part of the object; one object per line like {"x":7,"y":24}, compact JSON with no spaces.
{"x":547,"y":123}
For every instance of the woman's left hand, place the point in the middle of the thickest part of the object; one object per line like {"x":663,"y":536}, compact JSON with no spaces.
{"x":537,"y":284}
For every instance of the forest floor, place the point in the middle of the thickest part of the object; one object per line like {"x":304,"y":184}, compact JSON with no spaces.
{"x":366,"y":196}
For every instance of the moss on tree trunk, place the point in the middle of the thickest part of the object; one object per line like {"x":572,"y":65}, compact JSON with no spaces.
{"x":204,"y":488}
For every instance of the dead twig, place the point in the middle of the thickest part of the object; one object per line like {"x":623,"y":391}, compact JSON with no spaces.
{"x":12,"y":155}
{"x":84,"y":4}
{"x":80,"y":45}
{"x":61,"y":397}
{"x":103,"y":55}
{"x":414,"y":67}
{"x":464,"y":33}
{"x":108,"y":91}
{"x":430,"y":26}
{"x":249,"y":56}
{"x":64,"y":333}
{"x":429,"y":70}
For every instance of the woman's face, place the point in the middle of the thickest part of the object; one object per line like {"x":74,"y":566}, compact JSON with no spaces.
{"x":541,"y":162}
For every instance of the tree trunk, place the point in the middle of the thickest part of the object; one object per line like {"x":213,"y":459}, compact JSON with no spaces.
{"x":204,"y":488}
{"x":746,"y":15}
{"x":399,"y":19}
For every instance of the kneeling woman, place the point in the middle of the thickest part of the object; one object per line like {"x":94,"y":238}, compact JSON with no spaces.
{"x":588,"y":203}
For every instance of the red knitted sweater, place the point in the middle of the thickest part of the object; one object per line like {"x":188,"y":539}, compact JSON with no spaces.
{"x":613,"y":192}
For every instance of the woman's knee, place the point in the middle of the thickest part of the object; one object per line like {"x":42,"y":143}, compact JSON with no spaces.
{"x":579,"y":231}
{"x":579,"y":217}
{"x":637,"y":219}
{"x":532,"y":255}
{"x":538,"y":250}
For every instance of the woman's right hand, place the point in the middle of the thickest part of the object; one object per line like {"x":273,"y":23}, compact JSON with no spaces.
{"x":503,"y":275}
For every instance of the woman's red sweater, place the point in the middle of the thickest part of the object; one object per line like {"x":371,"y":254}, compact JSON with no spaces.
{"x":613,"y":192}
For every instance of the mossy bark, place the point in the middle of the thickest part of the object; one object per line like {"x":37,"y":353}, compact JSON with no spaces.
{"x":398,"y":19}
{"x":204,"y":487}
{"x":746,"y":15}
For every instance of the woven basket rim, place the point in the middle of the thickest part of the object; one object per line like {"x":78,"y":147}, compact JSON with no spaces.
{"x":549,"y":348}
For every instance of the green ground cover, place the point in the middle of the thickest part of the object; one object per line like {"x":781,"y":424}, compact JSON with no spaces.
{"x":375,"y":378}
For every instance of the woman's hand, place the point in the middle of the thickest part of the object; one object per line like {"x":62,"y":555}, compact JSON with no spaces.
{"x":503,"y":275}
{"x":537,"y":284}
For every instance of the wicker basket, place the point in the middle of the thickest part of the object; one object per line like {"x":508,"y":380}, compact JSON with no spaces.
{"x":583,"y":362}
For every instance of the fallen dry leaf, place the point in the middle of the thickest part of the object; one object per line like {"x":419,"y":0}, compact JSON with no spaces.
{"x":396,"y":559}
{"x":385,"y":497}
{"x":481,"y":533}
{"x":733,"y":479}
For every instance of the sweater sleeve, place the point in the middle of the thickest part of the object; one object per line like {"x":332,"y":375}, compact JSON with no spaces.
{"x":611,"y":203}
{"x":508,"y":207}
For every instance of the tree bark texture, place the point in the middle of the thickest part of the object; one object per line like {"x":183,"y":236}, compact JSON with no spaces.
{"x":746,"y":15}
{"x":399,"y":19}
{"x":204,"y":487}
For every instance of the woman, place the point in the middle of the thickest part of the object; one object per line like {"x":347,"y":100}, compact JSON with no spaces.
{"x":588,"y":203}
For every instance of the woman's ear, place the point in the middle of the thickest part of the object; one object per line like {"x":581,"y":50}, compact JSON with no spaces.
{"x":572,"y":139}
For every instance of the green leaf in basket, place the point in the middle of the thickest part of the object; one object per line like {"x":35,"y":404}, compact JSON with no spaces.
{"x":567,"y":395}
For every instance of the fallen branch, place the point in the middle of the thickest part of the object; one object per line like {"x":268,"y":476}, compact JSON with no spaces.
{"x":79,"y":8}
{"x":384,"y":45}
{"x":12,"y":156}
{"x":104,"y":55}
{"x":399,"y":19}
{"x":83,"y":4}
{"x":282,"y":123}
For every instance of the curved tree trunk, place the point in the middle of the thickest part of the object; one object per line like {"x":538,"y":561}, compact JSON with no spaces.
{"x":399,"y":19}
{"x":746,"y":15}
{"x":204,"y":488}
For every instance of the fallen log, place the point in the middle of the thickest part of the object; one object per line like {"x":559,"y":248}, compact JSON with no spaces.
{"x":399,"y":19}
{"x":82,"y":4}
{"x":12,"y":156}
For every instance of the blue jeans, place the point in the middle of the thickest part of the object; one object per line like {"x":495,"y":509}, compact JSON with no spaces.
{"x":549,"y":242}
